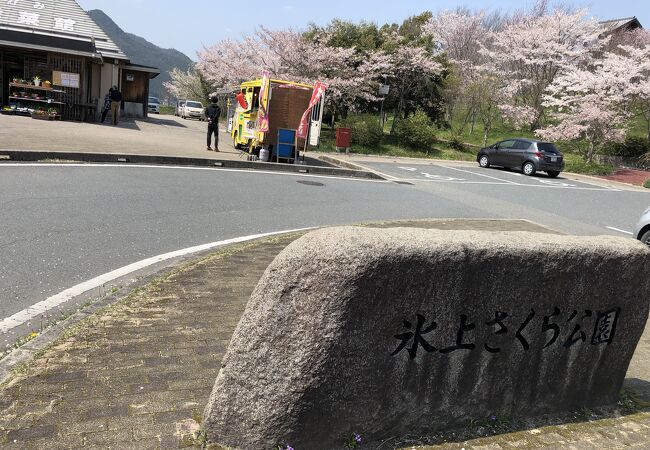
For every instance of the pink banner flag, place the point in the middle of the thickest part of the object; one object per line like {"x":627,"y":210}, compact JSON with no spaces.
{"x":263,"y":115}
{"x":319,"y":90}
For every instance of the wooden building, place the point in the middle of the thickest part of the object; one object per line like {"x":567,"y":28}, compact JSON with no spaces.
{"x":56,"y":41}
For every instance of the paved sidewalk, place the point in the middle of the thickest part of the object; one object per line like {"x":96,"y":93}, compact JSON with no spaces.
{"x":138,"y":373}
{"x":159,"y":135}
{"x":630,"y":176}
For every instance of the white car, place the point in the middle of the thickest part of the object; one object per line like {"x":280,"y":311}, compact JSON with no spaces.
{"x":179,"y":107}
{"x":642,"y":229}
{"x":192,"y":110}
{"x":154,"y":105}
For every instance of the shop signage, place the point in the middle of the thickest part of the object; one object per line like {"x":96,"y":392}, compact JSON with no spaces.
{"x":30,"y":15}
{"x":65,"y":79}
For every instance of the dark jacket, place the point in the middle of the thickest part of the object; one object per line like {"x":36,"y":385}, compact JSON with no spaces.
{"x":116,"y":96}
{"x":212,"y":112}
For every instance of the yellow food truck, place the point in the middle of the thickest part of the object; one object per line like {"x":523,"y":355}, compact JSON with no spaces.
{"x":284,"y":102}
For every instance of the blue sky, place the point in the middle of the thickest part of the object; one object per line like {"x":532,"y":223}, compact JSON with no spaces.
{"x":190,"y":24}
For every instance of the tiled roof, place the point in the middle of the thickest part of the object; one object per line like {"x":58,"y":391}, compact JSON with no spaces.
{"x":615,"y":24}
{"x":59,"y":18}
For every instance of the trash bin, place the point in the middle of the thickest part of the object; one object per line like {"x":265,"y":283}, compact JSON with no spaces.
{"x":343,"y":138}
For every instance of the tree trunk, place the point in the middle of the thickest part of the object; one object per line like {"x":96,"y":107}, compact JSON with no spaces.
{"x":590,"y":152}
{"x":471,"y":128}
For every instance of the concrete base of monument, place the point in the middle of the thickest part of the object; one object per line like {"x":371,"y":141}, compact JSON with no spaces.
{"x":398,"y":332}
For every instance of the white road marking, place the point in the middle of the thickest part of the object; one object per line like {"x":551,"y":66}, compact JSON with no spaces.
{"x":555,"y":183}
{"x":479,"y":174}
{"x":621,"y":231}
{"x":494,"y":183}
{"x":168,"y":167}
{"x":441,"y":177}
{"x":28,"y":314}
{"x":410,"y":169}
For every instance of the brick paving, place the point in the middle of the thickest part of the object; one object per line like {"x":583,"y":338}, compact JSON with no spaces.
{"x":630,"y":176}
{"x":138,"y":373}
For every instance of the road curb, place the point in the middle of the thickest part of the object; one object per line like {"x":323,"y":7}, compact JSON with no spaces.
{"x":37,"y":156}
{"x":604,"y":182}
{"x":354,"y":166}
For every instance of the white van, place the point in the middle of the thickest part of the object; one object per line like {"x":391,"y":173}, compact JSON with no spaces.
{"x":192,"y":110}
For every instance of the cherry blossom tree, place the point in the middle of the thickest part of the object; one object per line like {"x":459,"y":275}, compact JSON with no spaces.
{"x":287,"y":54}
{"x":592,"y":102}
{"x":473,"y":87}
{"x":412,"y":71}
{"x":188,"y":84}
{"x":532,"y":50}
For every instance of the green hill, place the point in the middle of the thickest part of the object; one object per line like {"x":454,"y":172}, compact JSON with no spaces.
{"x":141,"y":51}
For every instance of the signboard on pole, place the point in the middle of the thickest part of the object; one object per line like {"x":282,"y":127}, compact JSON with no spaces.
{"x":319,"y":90}
{"x":263,"y":115}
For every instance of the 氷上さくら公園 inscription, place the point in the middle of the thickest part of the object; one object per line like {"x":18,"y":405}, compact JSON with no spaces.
{"x":575,"y":325}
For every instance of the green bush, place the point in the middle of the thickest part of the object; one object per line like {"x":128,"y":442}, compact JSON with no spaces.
{"x":416,"y":131}
{"x":632,"y":147}
{"x":456,"y":144}
{"x":580,"y":166}
{"x":647,"y":183}
{"x":366,"y":130}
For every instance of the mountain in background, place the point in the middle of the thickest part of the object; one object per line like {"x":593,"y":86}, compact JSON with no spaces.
{"x":141,"y":51}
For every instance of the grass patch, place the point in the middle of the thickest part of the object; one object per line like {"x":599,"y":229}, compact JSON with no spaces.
{"x":390,"y":147}
{"x":168,"y":110}
{"x":576,"y":164}
{"x":647,"y":183}
{"x":499,"y":132}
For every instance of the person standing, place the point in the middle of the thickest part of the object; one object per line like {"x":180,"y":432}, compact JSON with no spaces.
{"x":116,"y":101}
{"x":212,"y":113}
{"x":107,"y":104}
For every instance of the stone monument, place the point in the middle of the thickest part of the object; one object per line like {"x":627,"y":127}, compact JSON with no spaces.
{"x":400,"y":331}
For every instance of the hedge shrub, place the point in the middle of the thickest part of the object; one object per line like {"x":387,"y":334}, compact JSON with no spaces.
{"x":632,"y":147}
{"x":416,"y":131}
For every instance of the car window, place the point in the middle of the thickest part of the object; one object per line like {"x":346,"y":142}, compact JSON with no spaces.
{"x":194,"y":105}
{"x":547,"y":147}
{"x":521,"y":145}
{"x":506,"y":144}
{"x":153,"y":100}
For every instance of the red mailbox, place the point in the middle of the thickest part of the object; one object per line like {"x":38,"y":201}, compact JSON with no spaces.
{"x":343,"y":137}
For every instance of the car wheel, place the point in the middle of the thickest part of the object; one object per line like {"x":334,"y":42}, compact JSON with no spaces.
{"x":553,"y":173}
{"x":645,"y":238}
{"x":484,"y":161}
{"x":529,"y":168}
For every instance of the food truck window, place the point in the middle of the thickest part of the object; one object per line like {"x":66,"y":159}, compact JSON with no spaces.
{"x":249,"y":99}
{"x":256,"y":99}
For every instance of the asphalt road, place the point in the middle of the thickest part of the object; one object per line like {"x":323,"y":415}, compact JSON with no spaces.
{"x":62,"y":225}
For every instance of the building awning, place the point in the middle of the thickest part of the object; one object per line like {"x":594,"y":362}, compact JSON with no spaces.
{"x":33,"y":41}
{"x":152,"y":71}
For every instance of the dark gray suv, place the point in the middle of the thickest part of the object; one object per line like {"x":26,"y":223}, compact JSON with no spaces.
{"x":528,"y":155}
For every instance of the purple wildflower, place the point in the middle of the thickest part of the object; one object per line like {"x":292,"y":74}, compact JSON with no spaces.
{"x":289,"y":447}
{"x":357,"y":438}
{"x":494,"y":418}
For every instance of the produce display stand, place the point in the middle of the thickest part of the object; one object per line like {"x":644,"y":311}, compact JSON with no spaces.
{"x":35,"y":98}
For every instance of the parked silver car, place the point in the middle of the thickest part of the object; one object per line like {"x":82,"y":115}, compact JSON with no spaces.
{"x":154,"y":105}
{"x":642,"y":229}
{"x":528,"y":155}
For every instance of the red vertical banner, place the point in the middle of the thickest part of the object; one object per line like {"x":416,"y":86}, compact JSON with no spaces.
{"x":263,"y":114}
{"x":319,"y":90}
